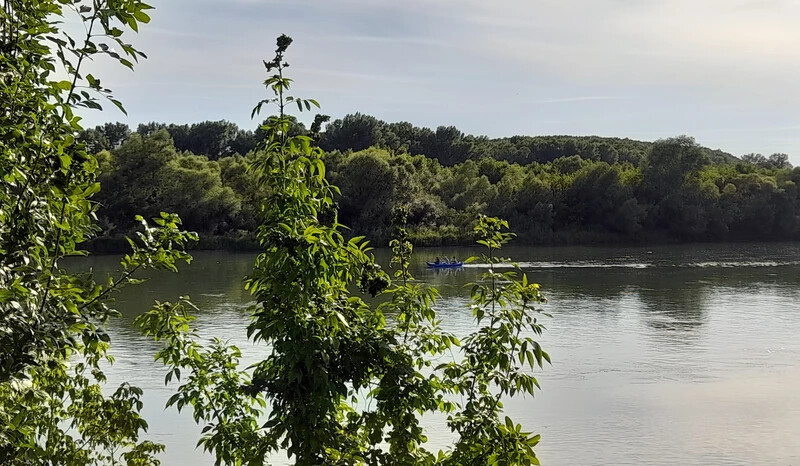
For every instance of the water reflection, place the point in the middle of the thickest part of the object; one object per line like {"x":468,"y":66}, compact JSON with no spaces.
{"x":650,"y":347}
{"x":673,"y":305}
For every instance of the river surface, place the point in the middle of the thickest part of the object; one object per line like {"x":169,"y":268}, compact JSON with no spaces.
{"x":661,"y":355}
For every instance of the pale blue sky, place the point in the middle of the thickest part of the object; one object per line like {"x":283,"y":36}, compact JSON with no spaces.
{"x":723,"y":71}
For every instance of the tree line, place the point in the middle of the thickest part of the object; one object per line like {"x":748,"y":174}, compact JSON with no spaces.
{"x":553,"y":190}
{"x":355,"y":132}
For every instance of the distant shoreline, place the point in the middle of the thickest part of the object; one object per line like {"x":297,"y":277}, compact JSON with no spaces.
{"x":248,"y":243}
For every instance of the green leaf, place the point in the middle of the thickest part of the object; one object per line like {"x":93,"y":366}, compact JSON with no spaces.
{"x":6,"y":295}
{"x":142,"y":17}
{"x":341,"y":318}
{"x":92,"y":189}
{"x":118,"y":104}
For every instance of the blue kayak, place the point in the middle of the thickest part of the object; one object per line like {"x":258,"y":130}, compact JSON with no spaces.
{"x":445,"y":265}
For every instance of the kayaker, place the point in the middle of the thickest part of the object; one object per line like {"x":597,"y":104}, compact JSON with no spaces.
{"x":437,"y":262}
{"x":455,"y":261}
{"x":445,"y":260}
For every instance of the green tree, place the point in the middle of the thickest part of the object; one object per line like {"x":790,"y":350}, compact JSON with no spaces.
{"x":569,"y":164}
{"x":52,"y":406}
{"x":447,"y":144}
{"x":755,"y":159}
{"x":235,"y":175}
{"x":134,"y":177}
{"x":316,"y":125}
{"x":599,"y":197}
{"x":355,"y":132}
{"x":670,"y":164}
{"x":243,"y":143}
{"x":146,"y":129}
{"x":670,"y":185}
{"x":466,"y":190}
{"x":148,"y":176}
{"x":213,"y":139}
{"x":115,"y":133}
{"x":362,"y":206}
{"x":779,"y":161}
{"x":776,"y":161}
{"x":94,"y":139}
{"x":529,"y":204}
{"x":342,"y":384}
{"x":105,"y":137}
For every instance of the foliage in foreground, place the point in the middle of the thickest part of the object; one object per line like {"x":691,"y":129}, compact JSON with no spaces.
{"x":346,"y":382}
{"x":54,"y":406}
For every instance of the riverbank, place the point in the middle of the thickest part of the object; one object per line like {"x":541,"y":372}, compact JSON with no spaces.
{"x":446,"y":236}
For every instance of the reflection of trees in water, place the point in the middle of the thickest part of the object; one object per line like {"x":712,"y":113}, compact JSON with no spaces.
{"x":670,"y":300}
{"x":674,"y":302}
{"x":610,"y":283}
{"x":211,"y":280}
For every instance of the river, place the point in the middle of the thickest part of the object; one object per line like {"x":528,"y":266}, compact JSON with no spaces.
{"x":661,"y":355}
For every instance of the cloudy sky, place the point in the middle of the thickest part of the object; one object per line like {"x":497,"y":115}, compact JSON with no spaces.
{"x":724,"y":71}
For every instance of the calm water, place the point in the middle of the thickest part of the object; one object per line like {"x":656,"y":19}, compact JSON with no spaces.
{"x":667,"y":355}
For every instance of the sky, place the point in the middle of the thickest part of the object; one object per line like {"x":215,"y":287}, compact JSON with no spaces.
{"x":724,"y":71}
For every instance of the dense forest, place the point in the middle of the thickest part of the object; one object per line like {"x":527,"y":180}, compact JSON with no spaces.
{"x":552,"y":189}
